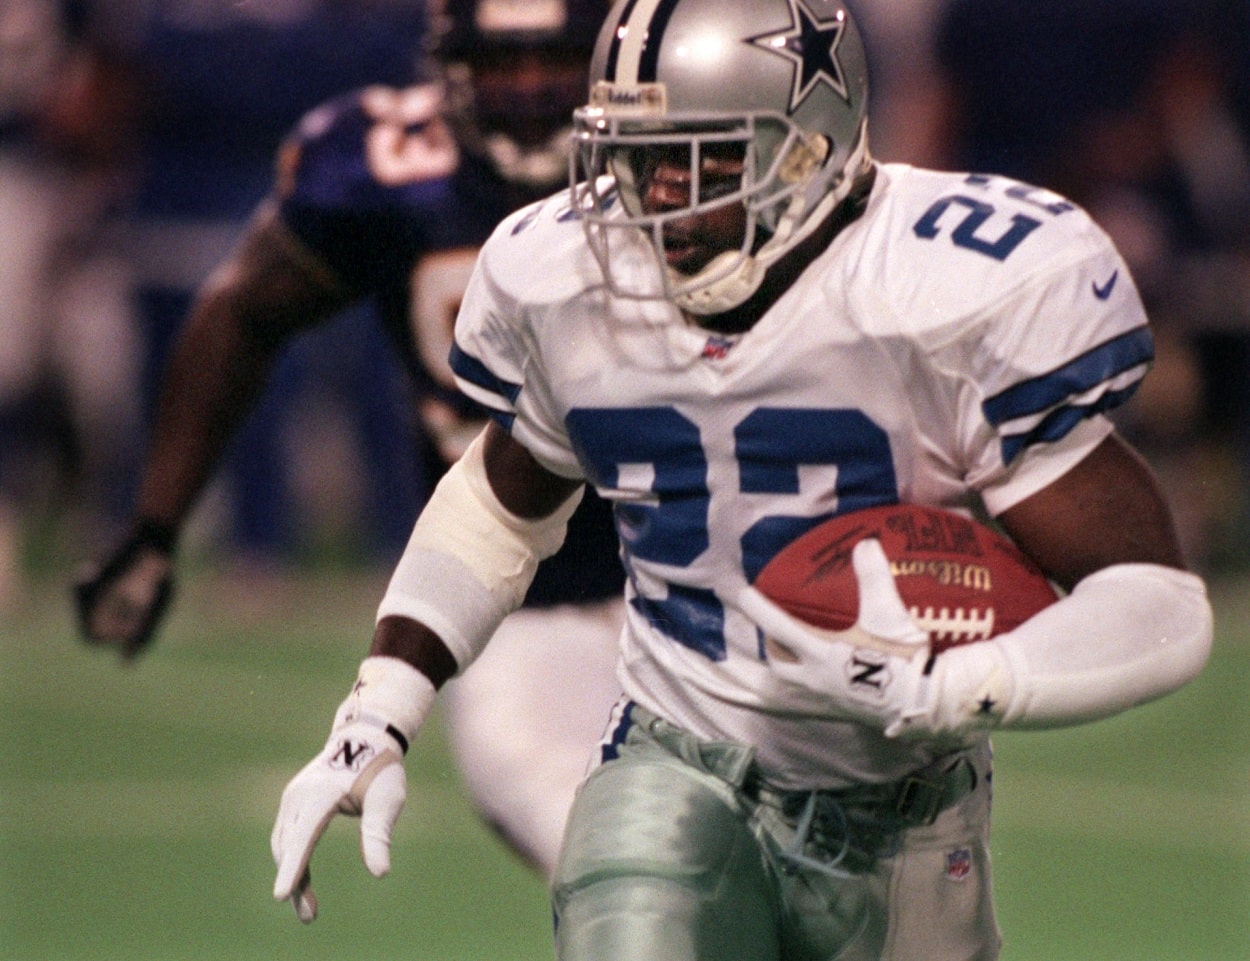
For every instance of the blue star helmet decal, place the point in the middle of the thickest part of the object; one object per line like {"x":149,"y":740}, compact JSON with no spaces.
{"x":811,"y":44}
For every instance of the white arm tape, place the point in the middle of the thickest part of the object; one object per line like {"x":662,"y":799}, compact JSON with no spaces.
{"x":470,"y":560}
{"x":1127,"y":634}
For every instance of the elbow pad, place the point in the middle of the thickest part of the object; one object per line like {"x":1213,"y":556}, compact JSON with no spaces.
{"x":1127,"y":634}
{"x":470,"y":560}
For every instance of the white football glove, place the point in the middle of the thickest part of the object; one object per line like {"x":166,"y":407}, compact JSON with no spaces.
{"x":880,"y":671}
{"x":359,"y":773}
{"x":963,"y":693}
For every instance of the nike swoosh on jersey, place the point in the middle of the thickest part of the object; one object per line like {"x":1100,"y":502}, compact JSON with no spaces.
{"x":1103,"y":292}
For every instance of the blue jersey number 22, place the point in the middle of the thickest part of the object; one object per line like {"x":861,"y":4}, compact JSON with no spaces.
{"x":625,"y":447}
{"x":975,"y":216}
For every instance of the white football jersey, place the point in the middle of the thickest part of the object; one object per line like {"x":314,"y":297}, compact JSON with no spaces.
{"x":959,"y":342}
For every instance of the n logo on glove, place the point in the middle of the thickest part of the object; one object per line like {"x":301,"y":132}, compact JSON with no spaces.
{"x":868,"y":669}
{"x":351,"y":755}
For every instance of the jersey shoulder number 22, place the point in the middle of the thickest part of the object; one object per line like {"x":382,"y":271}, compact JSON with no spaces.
{"x":992,"y":216}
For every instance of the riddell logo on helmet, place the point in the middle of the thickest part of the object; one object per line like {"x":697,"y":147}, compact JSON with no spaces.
{"x":629,"y":99}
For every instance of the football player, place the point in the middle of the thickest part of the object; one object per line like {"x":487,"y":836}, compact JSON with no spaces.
{"x":735,"y":326}
{"x":386,"y":195}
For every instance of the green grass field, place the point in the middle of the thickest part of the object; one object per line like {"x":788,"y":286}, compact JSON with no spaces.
{"x":136,"y":803}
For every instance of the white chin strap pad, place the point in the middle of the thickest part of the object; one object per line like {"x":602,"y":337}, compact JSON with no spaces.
{"x":729,"y":288}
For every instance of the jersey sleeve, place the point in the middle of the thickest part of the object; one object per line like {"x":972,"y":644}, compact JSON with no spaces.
{"x":486,"y":358}
{"x":496,"y":360}
{"x":1053,"y":359}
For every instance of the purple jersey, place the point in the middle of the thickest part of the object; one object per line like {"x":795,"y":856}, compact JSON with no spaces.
{"x":375,"y":186}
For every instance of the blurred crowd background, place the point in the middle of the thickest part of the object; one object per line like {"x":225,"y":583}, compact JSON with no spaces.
{"x":136,"y":136}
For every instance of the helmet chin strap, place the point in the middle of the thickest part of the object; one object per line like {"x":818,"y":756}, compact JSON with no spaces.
{"x":743,"y":272}
{"x":724,"y":293}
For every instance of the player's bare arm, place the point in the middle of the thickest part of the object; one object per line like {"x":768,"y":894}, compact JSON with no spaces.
{"x":1106,"y":510}
{"x":522,"y":484}
{"x":268,"y":290}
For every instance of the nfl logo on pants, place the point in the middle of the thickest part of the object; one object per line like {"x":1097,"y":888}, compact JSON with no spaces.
{"x":958,"y":864}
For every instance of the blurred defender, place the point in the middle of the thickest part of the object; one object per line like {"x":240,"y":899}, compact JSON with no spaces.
{"x":386,"y":195}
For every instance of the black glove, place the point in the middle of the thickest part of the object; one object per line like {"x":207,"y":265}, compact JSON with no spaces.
{"x":120,"y":601}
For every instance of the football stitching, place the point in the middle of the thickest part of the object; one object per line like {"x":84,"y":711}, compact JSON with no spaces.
{"x":956,"y":625}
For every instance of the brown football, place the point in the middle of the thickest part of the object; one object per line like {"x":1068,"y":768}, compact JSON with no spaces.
{"x":961,"y":580}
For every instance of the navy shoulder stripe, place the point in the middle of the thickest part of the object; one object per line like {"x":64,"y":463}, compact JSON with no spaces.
{"x":1061,"y":420}
{"x":475,"y":372}
{"x":1107,"y":360}
{"x":1044,"y":409}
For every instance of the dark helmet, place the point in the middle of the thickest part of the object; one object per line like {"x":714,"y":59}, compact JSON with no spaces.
{"x":514,"y":72}
{"x":468,"y":29}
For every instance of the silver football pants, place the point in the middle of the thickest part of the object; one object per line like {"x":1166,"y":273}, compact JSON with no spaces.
{"x":676,"y":850}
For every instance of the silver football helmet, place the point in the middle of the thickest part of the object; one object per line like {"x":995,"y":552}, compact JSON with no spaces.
{"x":786,"y":81}
{"x":521,"y":124}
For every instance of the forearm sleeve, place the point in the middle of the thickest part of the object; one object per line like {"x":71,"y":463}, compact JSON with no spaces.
{"x":470,"y":560}
{"x":1126,"y":635}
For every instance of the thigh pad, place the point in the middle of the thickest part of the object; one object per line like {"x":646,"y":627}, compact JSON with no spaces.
{"x":659,"y":862}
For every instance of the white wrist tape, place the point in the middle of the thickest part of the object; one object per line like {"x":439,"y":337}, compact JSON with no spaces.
{"x":470,"y":560}
{"x":1126,"y":635}
{"x":390,"y":694}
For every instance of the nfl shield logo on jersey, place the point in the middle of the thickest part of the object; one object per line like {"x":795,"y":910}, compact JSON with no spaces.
{"x":717,"y":347}
{"x":958,"y":864}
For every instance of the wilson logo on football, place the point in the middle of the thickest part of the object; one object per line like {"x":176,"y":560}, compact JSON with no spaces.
{"x":975,"y":577}
{"x":961,"y":581}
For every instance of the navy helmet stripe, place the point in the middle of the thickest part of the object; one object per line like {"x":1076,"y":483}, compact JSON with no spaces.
{"x":1129,"y":350}
{"x":633,"y":54}
{"x":475,"y":372}
{"x":648,"y":63}
{"x":614,"y":49}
